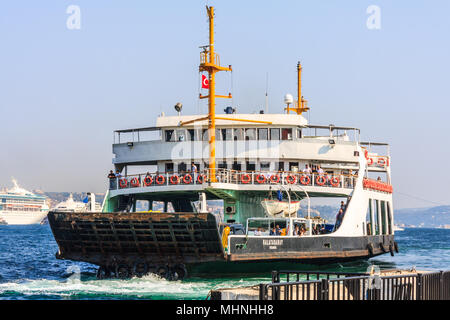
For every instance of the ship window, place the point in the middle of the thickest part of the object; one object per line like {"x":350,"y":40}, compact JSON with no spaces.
{"x":205,"y":135}
{"x":293,"y":166}
{"x":219,"y":135}
{"x":169,"y":167}
{"x":369,"y":219}
{"x":191,"y":136}
{"x":181,"y":135}
{"x":383,"y":217}
{"x":265,"y":166}
{"x":238,"y":134}
{"x":280,"y":166}
{"x":250,"y":134}
{"x":170,"y":136}
{"x":236,"y":166}
{"x":182,"y":167}
{"x":251,"y":166}
{"x":286,"y":134}
{"x":222,"y":165}
{"x":299,"y":133}
{"x":263,"y":134}
{"x":377,"y":218}
{"x":274,"y":134}
{"x":227,"y":134}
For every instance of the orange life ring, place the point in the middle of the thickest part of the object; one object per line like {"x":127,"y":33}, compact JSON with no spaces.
{"x":366,"y":154}
{"x":187,"y":179}
{"x":291,"y":179}
{"x":304,"y":180}
{"x":335,"y":181}
{"x":320,"y":180}
{"x":277,"y":176}
{"x":148,"y":180}
{"x":134,"y":182}
{"x":370,"y":161}
{"x":175,"y":179}
{"x":381,"y":161}
{"x":201,"y":178}
{"x":260,"y":178}
{"x":160,"y":179}
{"x":123,"y":183}
{"x":245,"y":178}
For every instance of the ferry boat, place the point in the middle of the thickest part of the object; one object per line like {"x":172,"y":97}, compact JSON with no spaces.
{"x":239,"y":159}
{"x":19,"y":206}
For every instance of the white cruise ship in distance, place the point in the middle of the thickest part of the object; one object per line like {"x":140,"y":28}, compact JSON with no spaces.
{"x":70,"y":205}
{"x":19,"y":206}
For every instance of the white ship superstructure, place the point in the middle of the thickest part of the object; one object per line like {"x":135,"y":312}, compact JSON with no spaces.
{"x":19,"y":206}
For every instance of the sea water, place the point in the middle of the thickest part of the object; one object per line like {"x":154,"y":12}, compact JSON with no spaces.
{"x":29,"y":269}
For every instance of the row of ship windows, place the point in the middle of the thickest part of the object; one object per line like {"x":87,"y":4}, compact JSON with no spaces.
{"x":233,"y":134}
{"x":5,"y":200}
{"x":19,"y":209}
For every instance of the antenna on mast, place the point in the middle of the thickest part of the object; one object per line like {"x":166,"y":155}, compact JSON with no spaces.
{"x":267,"y":89}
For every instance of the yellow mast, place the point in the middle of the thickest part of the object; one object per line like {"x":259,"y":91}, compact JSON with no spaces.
{"x":301,"y":104}
{"x":208,"y":60}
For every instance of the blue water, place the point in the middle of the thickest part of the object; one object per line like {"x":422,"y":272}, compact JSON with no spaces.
{"x":29,"y":269}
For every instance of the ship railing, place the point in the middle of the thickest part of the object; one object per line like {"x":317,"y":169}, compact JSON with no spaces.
{"x":227,"y":176}
{"x":354,"y":286}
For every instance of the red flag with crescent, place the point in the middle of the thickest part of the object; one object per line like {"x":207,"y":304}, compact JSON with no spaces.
{"x":205,"y":82}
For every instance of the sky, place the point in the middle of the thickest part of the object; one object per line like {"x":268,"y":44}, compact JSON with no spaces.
{"x":64,"y":90}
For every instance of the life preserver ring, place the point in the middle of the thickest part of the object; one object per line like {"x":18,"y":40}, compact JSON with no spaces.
{"x":201,"y":178}
{"x":291,"y":179}
{"x":134,"y":182}
{"x":366,"y":154}
{"x":321,"y":180}
{"x":275,"y":178}
{"x":103,"y":273}
{"x":122,"y":271}
{"x":260,"y":178}
{"x":245,"y":178}
{"x":187,"y":179}
{"x":175,"y":179}
{"x":305,"y":180}
{"x":160,"y":179}
{"x":162,"y":271}
{"x":335,"y":181}
{"x":123,"y":183}
{"x":370,"y":161}
{"x":140,"y":268}
{"x":178,"y":272}
{"x":381,"y":162}
{"x":148,"y":180}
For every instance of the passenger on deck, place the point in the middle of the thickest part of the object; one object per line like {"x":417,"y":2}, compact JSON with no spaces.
{"x":320,"y":170}
{"x":112,"y":180}
{"x":339,"y":217}
{"x":258,"y":232}
{"x":307,"y":170}
{"x":296,"y":231}
{"x":273,"y":231}
{"x":118,"y":175}
{"x":343,"y":206}
{"x":379,"y":179}
{"x":302,"y":231}
{"x":193,"y":168}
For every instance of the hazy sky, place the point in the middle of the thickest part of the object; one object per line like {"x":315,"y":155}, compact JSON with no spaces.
{"x":63,"y":91}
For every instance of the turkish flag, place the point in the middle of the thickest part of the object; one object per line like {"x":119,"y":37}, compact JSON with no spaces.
{"x":205,"y":82}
